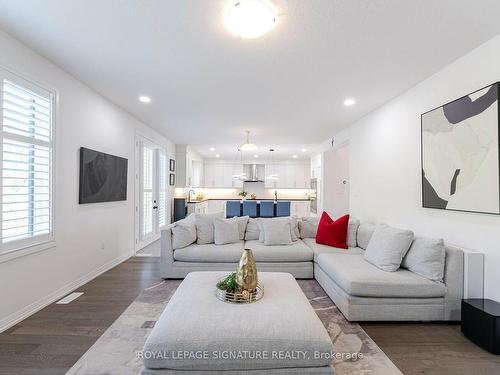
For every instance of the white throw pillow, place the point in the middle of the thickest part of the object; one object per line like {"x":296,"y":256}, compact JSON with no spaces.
{"x":205,"y":227}
{"x":426,"y":258}
{"x":252,"y":232}
{"x":277,"y":232}
{"x":242,"y":225}
{"x":183,"y":233}
{"x":308,"y":226}
{"x":226,"y":231}
{"x":365,"y":233}
{"x":388,"y":246}
{"x":352,"y":232}
{"x":294,"y":228}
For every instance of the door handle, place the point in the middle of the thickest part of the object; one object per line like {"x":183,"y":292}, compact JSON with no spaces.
{"x":155,"y":207}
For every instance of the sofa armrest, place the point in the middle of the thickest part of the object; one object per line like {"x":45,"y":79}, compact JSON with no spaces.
{"x":454,"y":281}
{"x":166,"y":252}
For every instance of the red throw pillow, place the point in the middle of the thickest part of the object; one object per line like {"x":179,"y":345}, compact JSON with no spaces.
{"x":333,"y":232}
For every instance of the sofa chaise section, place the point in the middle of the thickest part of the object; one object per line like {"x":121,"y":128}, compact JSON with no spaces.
{"x":365,"y":293}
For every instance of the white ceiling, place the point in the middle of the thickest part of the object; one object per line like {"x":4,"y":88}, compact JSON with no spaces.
{"x":208,"y":86}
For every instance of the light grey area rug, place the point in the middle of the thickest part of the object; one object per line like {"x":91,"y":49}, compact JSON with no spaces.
{"x":116,"y":351}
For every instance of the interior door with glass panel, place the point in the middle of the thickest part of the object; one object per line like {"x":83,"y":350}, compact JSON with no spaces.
{"x":153,"y":190}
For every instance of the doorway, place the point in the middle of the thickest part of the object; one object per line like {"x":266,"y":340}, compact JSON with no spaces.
{"x":151,"y":182}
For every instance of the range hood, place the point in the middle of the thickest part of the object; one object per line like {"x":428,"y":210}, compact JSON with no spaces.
{"x":254,"y":172}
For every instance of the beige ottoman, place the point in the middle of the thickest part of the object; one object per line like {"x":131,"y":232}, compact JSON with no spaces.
{"x":197,"y":333}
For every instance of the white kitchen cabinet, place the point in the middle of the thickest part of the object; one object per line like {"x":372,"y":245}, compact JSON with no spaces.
{"x":215,"y":206}
{"x":289,"y":176}
{"x":300,"y":208}
{"x":221,"y":175}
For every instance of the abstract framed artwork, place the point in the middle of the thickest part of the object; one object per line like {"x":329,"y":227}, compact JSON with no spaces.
{"x":171,"y":181}
{"x":172,"y":165}
{"x":460,"y":154}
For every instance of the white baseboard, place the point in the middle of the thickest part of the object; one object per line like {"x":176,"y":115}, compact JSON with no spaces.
{"x":32,"y":308}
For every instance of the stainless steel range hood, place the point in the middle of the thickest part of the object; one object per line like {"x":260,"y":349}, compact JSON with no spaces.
{"x":254,"y":172}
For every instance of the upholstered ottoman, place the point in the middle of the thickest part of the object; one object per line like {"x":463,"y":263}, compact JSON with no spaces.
{"x":279,"y":334}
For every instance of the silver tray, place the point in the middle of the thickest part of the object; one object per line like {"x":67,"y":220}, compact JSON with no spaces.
{"x":230,"y":297}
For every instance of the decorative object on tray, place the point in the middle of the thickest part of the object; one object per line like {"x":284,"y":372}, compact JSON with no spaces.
{"x":227,"y":290}
{"x":253,"y":196}
{"x":241,"y":286}
{"x":200,"y":197}
{"x":246,"y":274}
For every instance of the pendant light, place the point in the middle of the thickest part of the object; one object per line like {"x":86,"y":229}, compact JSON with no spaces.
{"x":247,"y":146}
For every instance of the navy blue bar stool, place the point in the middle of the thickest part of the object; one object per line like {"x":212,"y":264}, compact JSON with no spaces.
{"x":266,"y":209}
{"x":250,"y":208}
{"x":283,"y":209}
{"x":233,"y":208}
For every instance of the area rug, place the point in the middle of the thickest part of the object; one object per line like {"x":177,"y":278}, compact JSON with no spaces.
{"x":116,"y":351}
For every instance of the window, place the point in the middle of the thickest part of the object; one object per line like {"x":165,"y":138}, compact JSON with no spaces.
{"x":26,"y":214}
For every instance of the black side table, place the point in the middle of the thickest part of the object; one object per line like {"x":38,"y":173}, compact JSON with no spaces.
{"x":481,"y":323}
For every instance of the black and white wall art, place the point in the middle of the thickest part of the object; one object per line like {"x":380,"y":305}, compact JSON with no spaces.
{"x":460,"y":154}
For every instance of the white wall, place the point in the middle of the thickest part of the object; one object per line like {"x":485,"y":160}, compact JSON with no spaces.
{"x":385,"y":162}
{"x":83,"y":118}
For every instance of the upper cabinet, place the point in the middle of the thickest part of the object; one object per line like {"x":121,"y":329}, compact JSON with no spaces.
{"x":189,"y":167}
{"x":288,"y":175}
{"x":220,"y":174}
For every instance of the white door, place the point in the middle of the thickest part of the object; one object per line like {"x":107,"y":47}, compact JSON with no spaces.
{"x":152,"y":187}
{"x":336,"y":181}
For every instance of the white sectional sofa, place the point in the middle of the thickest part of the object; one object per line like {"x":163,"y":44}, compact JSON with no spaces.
{"x":362,"y":291}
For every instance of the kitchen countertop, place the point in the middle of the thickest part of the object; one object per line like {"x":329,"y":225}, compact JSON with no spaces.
{"x":257,"y":200}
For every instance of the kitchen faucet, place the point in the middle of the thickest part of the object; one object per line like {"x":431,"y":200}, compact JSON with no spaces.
{"x":189,"y":195}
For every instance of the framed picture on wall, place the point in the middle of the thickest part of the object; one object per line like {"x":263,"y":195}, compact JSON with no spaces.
{"x":172,"y":179}
{"x":172,"y":165}
{"x":460,"y":154}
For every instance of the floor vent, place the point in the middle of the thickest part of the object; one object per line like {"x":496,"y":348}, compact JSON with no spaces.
{"x":69,"y":298}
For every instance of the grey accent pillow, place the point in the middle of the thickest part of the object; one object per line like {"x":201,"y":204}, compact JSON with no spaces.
{"x":294,"y":222}
{"x":183,"y":233}
{"x":277,"y":232}
{"x":388,"y":246}
{"x":352,"y":232}
{"x":426,"y":258}
{"x":294,"y":227}
{"x":308,"y":226}
{"x":226,"y":231}
{"x":252,"y":231}
{"x":242,"y":225}
{"x":205,"y":227}
{"x":365,"y":232}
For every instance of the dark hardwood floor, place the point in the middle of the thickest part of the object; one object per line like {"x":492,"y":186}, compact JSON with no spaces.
{"x":52,"y":340}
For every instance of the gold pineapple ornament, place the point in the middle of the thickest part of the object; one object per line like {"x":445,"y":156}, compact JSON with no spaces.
{"x":246,"y":274}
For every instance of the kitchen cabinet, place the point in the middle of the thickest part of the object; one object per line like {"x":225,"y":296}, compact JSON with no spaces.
{"x":189,"y":167}
{"x":289,"y":176}
{"x":300,"y":208}
{"x":197,"y":208}
{"x":221,"y":175}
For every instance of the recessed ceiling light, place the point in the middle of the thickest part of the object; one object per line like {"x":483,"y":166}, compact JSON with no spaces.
{"x":217,"y":155}
{"x":350,"y":101}
{"x":304,"y":150}
{"x":256,"y":156}
{"x":212,"y":148}
{"x":294,"y":156}
{"x":250,"y":18}
{"x":144,"y":99}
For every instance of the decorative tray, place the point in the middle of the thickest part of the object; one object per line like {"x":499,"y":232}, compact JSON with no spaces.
{"x":240,"y":297}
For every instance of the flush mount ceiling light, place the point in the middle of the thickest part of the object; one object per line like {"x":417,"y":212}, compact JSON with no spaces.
{"x":144,"y":99}
{"x":256,"y":156}
{"x":294,"y":156}
{"x":247,"y":146}
{"x":217,"y":155}
{"x":304,"y":150}
{"x":212,"y":148}
{"x":250,"y":18}
{"x":349,"y":102}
